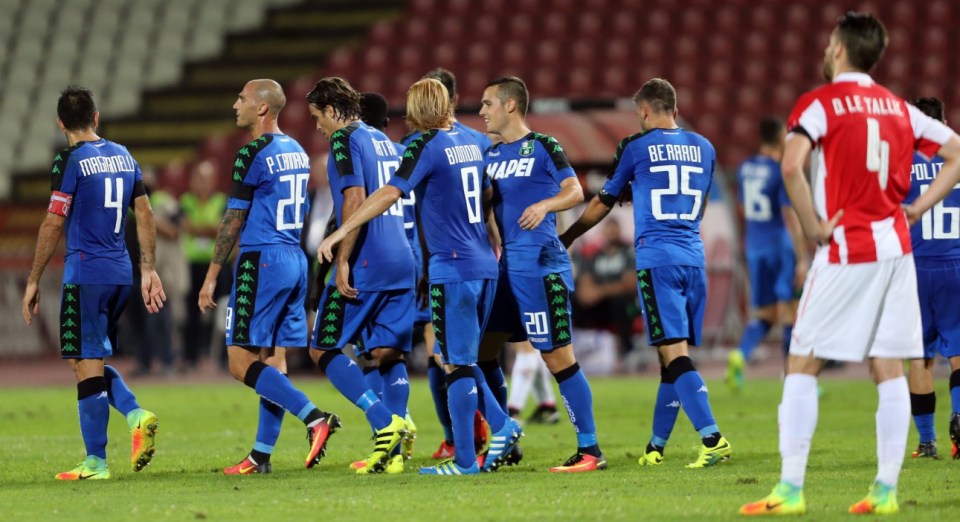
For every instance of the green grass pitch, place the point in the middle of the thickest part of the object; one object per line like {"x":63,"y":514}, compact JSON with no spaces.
{"x":205,"y":427}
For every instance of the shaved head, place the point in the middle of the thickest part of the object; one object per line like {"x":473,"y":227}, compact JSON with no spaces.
{"x":270,"y":93}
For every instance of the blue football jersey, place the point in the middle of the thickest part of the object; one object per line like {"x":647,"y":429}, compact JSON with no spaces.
{"x":936,"y":237}
{"x":480,"y":138}
{"x":671,"y":171}
{"x":523,"y":173}
{"x":270,"y":177}
{"x":361,"y":156}
{"x":102,"y":179}
{"x":446,"y":169}
{"x":763,"y":196}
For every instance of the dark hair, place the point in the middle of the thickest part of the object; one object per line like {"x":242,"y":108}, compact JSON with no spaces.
{"x":512,"y":88}
{"x":931,"y":106}
{"x":658,"y":92}
{"x":338,"y":94}
{"x":864,"y":37}
{"x":770,"y":129}
{"x":76,"y":108}
{"x":373,"y":110}
{"x":446,"y":78}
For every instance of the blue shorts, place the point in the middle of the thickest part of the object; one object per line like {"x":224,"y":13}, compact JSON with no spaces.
{"x":938,"y":289}
{"x":267,"y":299}
{"x":534,"y":308}
{"x":771,"y":277}
{"x":88,"y":319}
{"x":461,"y":309}
{"x":381,"y":319}
{"x":673,"y":299}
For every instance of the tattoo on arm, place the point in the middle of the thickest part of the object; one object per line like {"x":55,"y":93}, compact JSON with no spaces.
{"x":146,"y":232}
{"x":230,"y":226}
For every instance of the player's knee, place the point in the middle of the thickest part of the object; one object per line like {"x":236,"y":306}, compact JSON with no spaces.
{"x":326,"y":358}
{"x":459,"y":372}
{"x":559,"y":359}
{"x":680,"y":366}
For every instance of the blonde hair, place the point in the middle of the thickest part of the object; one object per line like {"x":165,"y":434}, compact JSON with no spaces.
{"x":428,"y":106}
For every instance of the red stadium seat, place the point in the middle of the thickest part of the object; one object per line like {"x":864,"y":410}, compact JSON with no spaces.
{"x":589,"y":25}
{"x":383,"y":33}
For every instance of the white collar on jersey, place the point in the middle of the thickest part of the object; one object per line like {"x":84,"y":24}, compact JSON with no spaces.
{"x":859,"y":77}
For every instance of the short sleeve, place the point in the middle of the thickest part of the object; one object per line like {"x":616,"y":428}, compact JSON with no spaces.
{"x":415,"y":166}
{"x":928,"y":133}
{"x":347,"y":158}
{"x":808,"y":118}
{"x":623,"y":165}
{"x":557,"y":165}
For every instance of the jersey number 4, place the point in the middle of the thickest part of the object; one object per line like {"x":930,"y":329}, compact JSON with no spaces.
{"x":674,"y":188}
{"x":114,"y":199}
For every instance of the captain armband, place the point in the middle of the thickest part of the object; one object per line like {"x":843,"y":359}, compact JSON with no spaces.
{"x":60,"y":203}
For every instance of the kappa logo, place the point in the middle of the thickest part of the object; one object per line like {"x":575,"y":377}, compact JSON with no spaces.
{"x":703,"y":389}
{"x":473,"y":391}
{"x":400,"y":382}
{"x":674,"y":404}
{"x":103,"y":395}
{"x":352,"y":363}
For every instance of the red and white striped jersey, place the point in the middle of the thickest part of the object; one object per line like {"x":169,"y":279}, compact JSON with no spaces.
{"x":864,"y":137}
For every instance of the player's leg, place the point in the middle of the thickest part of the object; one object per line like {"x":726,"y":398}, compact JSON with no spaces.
{"x":371,"y":372}
{"x":955,"y":405}
{"x":923,"y":402}
{"x":94,"y":411}
{"x":269,"y":422}
{"x":797,"y":417}
{"x":762,"y":270}
{"x":897,"y":336}
{"x":454,"y":308}
{"x":338,"y":322}
{"x":526,"y":365}
{"x":544,"y":396}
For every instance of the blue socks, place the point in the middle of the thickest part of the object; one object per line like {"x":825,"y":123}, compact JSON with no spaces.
{"x":118,"y":393}
{"x":665,"y":410}
{"x":923,"y":406}
{"x":347,"y":378}
{"x":274,"y":386}
{"x":578,"y":398}
{"x":463,"y":399}
{"x":396,"y":386}
{"x":787,"y":335}
{"x":371,"y":376}
{"x":955,"y":391}
{"x":268,"y":427}
{"x":438,"y":390}
{"x":755,"y":331}
{"x":493,"y":374}
{"x":693,"y":395}
{"x":488,"y":403}
{"x":94,"y":408}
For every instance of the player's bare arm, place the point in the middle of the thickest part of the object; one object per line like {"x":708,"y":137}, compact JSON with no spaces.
{"x":352,"y":199}
{"x":50,"y":231}
{"x":794,"y":155}
{"x":570,"y":195}
{"x":792,"y":223}
{"x":942,"y":184}
{"x":596,"y":210}
{"x":151,"y":288}
{"x":230,"y":226}
{"x":373,"y":206}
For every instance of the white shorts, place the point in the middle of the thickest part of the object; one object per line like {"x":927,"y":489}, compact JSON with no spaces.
{"x":849,"y":312}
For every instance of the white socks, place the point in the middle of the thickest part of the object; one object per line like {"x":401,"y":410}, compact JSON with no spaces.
{"x":543,"y":384}
{"x":798,"y":420}
{"x":525,"y":368}
{"x":893,"y":424}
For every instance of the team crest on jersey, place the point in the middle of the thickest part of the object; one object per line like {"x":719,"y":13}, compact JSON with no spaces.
{"x":527,"y":148}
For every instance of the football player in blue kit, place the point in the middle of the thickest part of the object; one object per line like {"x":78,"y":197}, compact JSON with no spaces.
{"x":265,"y":316}
{"x":435,"y":373}
{"x":93,"y":183}
{"x":370,"y":298}
{"x":531,"y":181}
{"x":670,"y":171}
{"x":445,"y":167}
{"x":936,"y":251}
{"x":774,"y":247}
